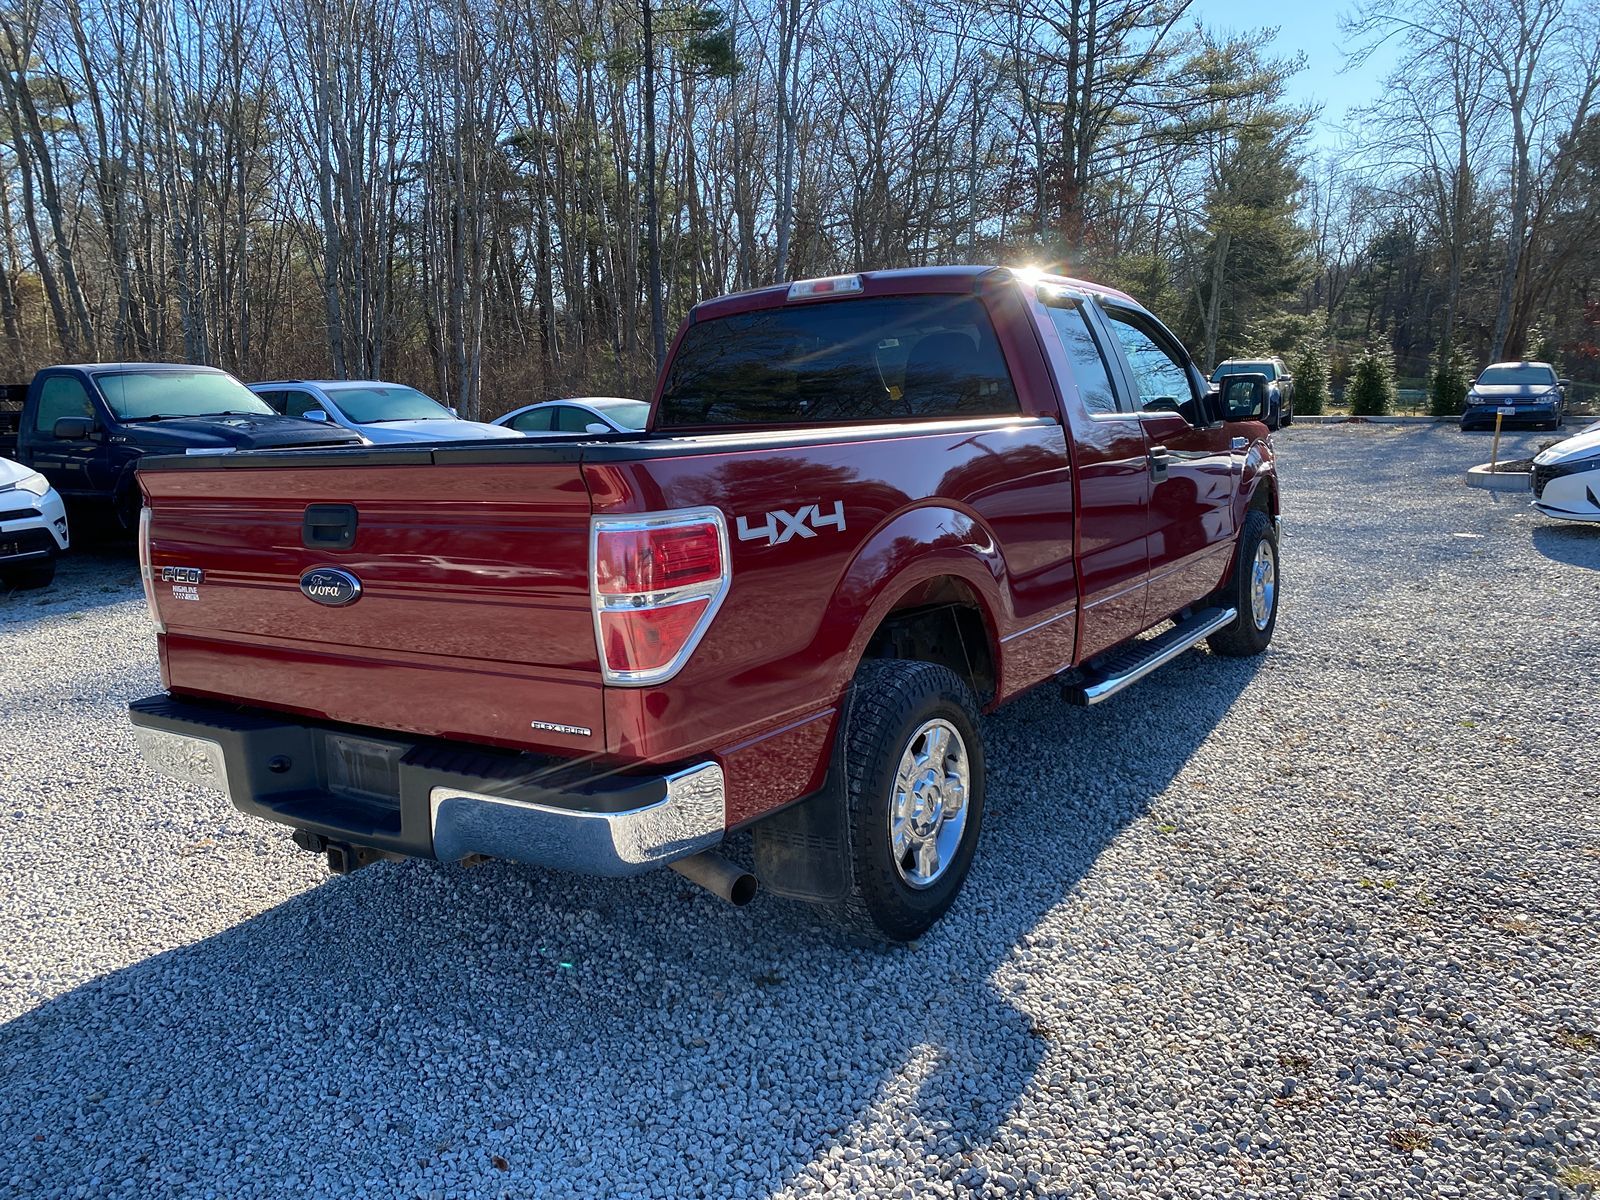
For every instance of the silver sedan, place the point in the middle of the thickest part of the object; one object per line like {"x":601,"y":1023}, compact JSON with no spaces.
{"x":578,"y":416}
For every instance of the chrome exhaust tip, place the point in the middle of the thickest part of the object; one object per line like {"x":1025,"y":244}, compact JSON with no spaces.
{"x":718,"y":876}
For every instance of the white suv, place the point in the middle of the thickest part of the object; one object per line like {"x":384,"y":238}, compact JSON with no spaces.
{"x":33,"y":527}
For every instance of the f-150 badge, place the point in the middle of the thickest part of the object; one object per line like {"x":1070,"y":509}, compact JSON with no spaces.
{"x":781,"y":525}
{"x":185,"y":581}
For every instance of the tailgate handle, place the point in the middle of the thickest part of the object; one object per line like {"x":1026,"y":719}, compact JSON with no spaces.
{"x":329,"y":527}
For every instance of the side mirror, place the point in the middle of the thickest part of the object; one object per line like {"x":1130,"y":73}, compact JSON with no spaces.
{"x":453,"y":411}
{"x":596,"y":427}
{"x":73,"y":429}
{"x":315,"y":414}
{"x":1245,"y":397}
{"x":1563,"y":384}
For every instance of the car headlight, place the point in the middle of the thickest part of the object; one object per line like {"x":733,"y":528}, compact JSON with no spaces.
{"x":34,"y":482}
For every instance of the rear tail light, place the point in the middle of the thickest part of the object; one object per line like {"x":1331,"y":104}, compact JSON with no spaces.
{"x":656,"y":581}
{"x":146,"y":571}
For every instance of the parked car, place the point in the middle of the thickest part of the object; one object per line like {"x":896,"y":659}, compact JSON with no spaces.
{"x":1566,"y":477}
{"x":579,"y":415}
{"x":864,"y":510}
{"x":33,"y":527}
{"x":380,"y":412}
{"x":86,"y":427}
{"x":1530,"y":389}
{"x":1280,"y":385}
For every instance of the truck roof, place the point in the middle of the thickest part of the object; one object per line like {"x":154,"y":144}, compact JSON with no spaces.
{"x":901,"y":281}
{"x":92,"y":367}
{"x":328,"y":383}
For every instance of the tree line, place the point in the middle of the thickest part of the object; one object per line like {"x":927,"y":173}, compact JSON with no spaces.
{"x":504,"y":200}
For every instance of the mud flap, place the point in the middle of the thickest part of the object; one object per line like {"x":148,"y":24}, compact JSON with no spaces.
{"x":803,"y":851}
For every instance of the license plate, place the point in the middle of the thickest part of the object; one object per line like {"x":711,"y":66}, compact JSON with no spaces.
{"x":363,"y":768}
{"x":1506,"y":410}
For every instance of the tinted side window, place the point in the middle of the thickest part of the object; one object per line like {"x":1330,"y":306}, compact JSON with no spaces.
{"x":893,"y":358}
{"x":1161,"y":377}
{"x":61,"y":396}
{"x":1088,"y":364}
{"x":573,"y":420}
{"x":535,"y":421}
{"x":297,"y":404}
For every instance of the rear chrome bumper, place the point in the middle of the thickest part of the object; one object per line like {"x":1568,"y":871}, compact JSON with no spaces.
{"x":433,"y":800}
{"x":688,"y":819}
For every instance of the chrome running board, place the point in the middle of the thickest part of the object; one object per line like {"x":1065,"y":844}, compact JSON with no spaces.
{"x":1130,"y":663}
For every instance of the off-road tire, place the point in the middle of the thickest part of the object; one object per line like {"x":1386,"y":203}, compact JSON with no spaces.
{"x":1242,"y":637}
{"x":889,"y":701}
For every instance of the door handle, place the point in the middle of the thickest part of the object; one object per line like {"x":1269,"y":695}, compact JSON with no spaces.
{"x":1160,"y":460}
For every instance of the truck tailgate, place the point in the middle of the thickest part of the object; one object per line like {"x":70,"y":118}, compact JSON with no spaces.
{"x":473,"y":619}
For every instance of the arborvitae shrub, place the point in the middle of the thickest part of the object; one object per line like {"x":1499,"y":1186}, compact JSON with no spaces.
{"x":1311,"y":380}
{"x":1447,"y":391}
{"x":1372,"y":382}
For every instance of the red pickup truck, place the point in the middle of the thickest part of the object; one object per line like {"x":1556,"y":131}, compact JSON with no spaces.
{"x":865,"y":510}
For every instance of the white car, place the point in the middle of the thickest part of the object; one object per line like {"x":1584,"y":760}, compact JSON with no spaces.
{"x":1566,"y":478}
{"x":578,"y":415}
{"x":383,"y":413}
{"x":33,"y":527}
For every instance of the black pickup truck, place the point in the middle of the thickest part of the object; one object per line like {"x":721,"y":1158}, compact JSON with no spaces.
{"x":84,"y":427}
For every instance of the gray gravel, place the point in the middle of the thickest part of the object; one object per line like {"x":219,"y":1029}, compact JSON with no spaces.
{"x":1319,"y":924}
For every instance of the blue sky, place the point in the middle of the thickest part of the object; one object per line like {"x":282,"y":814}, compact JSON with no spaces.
{"x":1311,"y":27}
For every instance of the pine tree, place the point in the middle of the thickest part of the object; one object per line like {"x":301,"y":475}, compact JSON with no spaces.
{"x":1311,"y":380}
{"x":1372,"y":382}
{"x":1447,"y":393}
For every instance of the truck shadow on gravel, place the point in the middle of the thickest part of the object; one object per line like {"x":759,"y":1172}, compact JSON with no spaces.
{"x":507,"y":1031}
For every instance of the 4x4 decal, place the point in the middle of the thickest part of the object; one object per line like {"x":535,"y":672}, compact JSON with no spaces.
{"x":781,"y":525}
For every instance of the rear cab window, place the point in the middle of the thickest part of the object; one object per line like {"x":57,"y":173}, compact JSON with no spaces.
{"x":1089,"y":369}
{"x":890,"y":358}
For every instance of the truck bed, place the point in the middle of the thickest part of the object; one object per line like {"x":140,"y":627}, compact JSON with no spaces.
{"x":11,"y":397}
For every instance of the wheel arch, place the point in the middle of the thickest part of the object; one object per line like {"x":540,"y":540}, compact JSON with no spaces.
{"x":1258,"y":485}
{"x":930,"y":584}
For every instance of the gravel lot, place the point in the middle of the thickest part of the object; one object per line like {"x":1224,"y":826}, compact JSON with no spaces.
{"x":1319,"y":924}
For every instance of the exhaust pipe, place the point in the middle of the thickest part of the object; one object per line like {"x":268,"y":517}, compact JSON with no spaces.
{"x":718,"y":876}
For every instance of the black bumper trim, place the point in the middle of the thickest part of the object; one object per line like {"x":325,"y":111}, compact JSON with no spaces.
{"x":373,"y":787}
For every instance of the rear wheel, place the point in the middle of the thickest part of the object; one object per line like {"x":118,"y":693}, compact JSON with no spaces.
{"x":1252,"y":590}
{"x":914,"y":789}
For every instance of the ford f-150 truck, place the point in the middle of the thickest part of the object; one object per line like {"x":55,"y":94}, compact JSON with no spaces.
{"x":865,"y":509}
{"x":85,"y":427}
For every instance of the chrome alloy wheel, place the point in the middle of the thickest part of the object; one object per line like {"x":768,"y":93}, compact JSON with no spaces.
{"x":1263,"y":584}
{"x":928,"y":812}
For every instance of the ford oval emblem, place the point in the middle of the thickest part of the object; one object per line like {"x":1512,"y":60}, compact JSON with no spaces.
{"x":332,"y":586}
